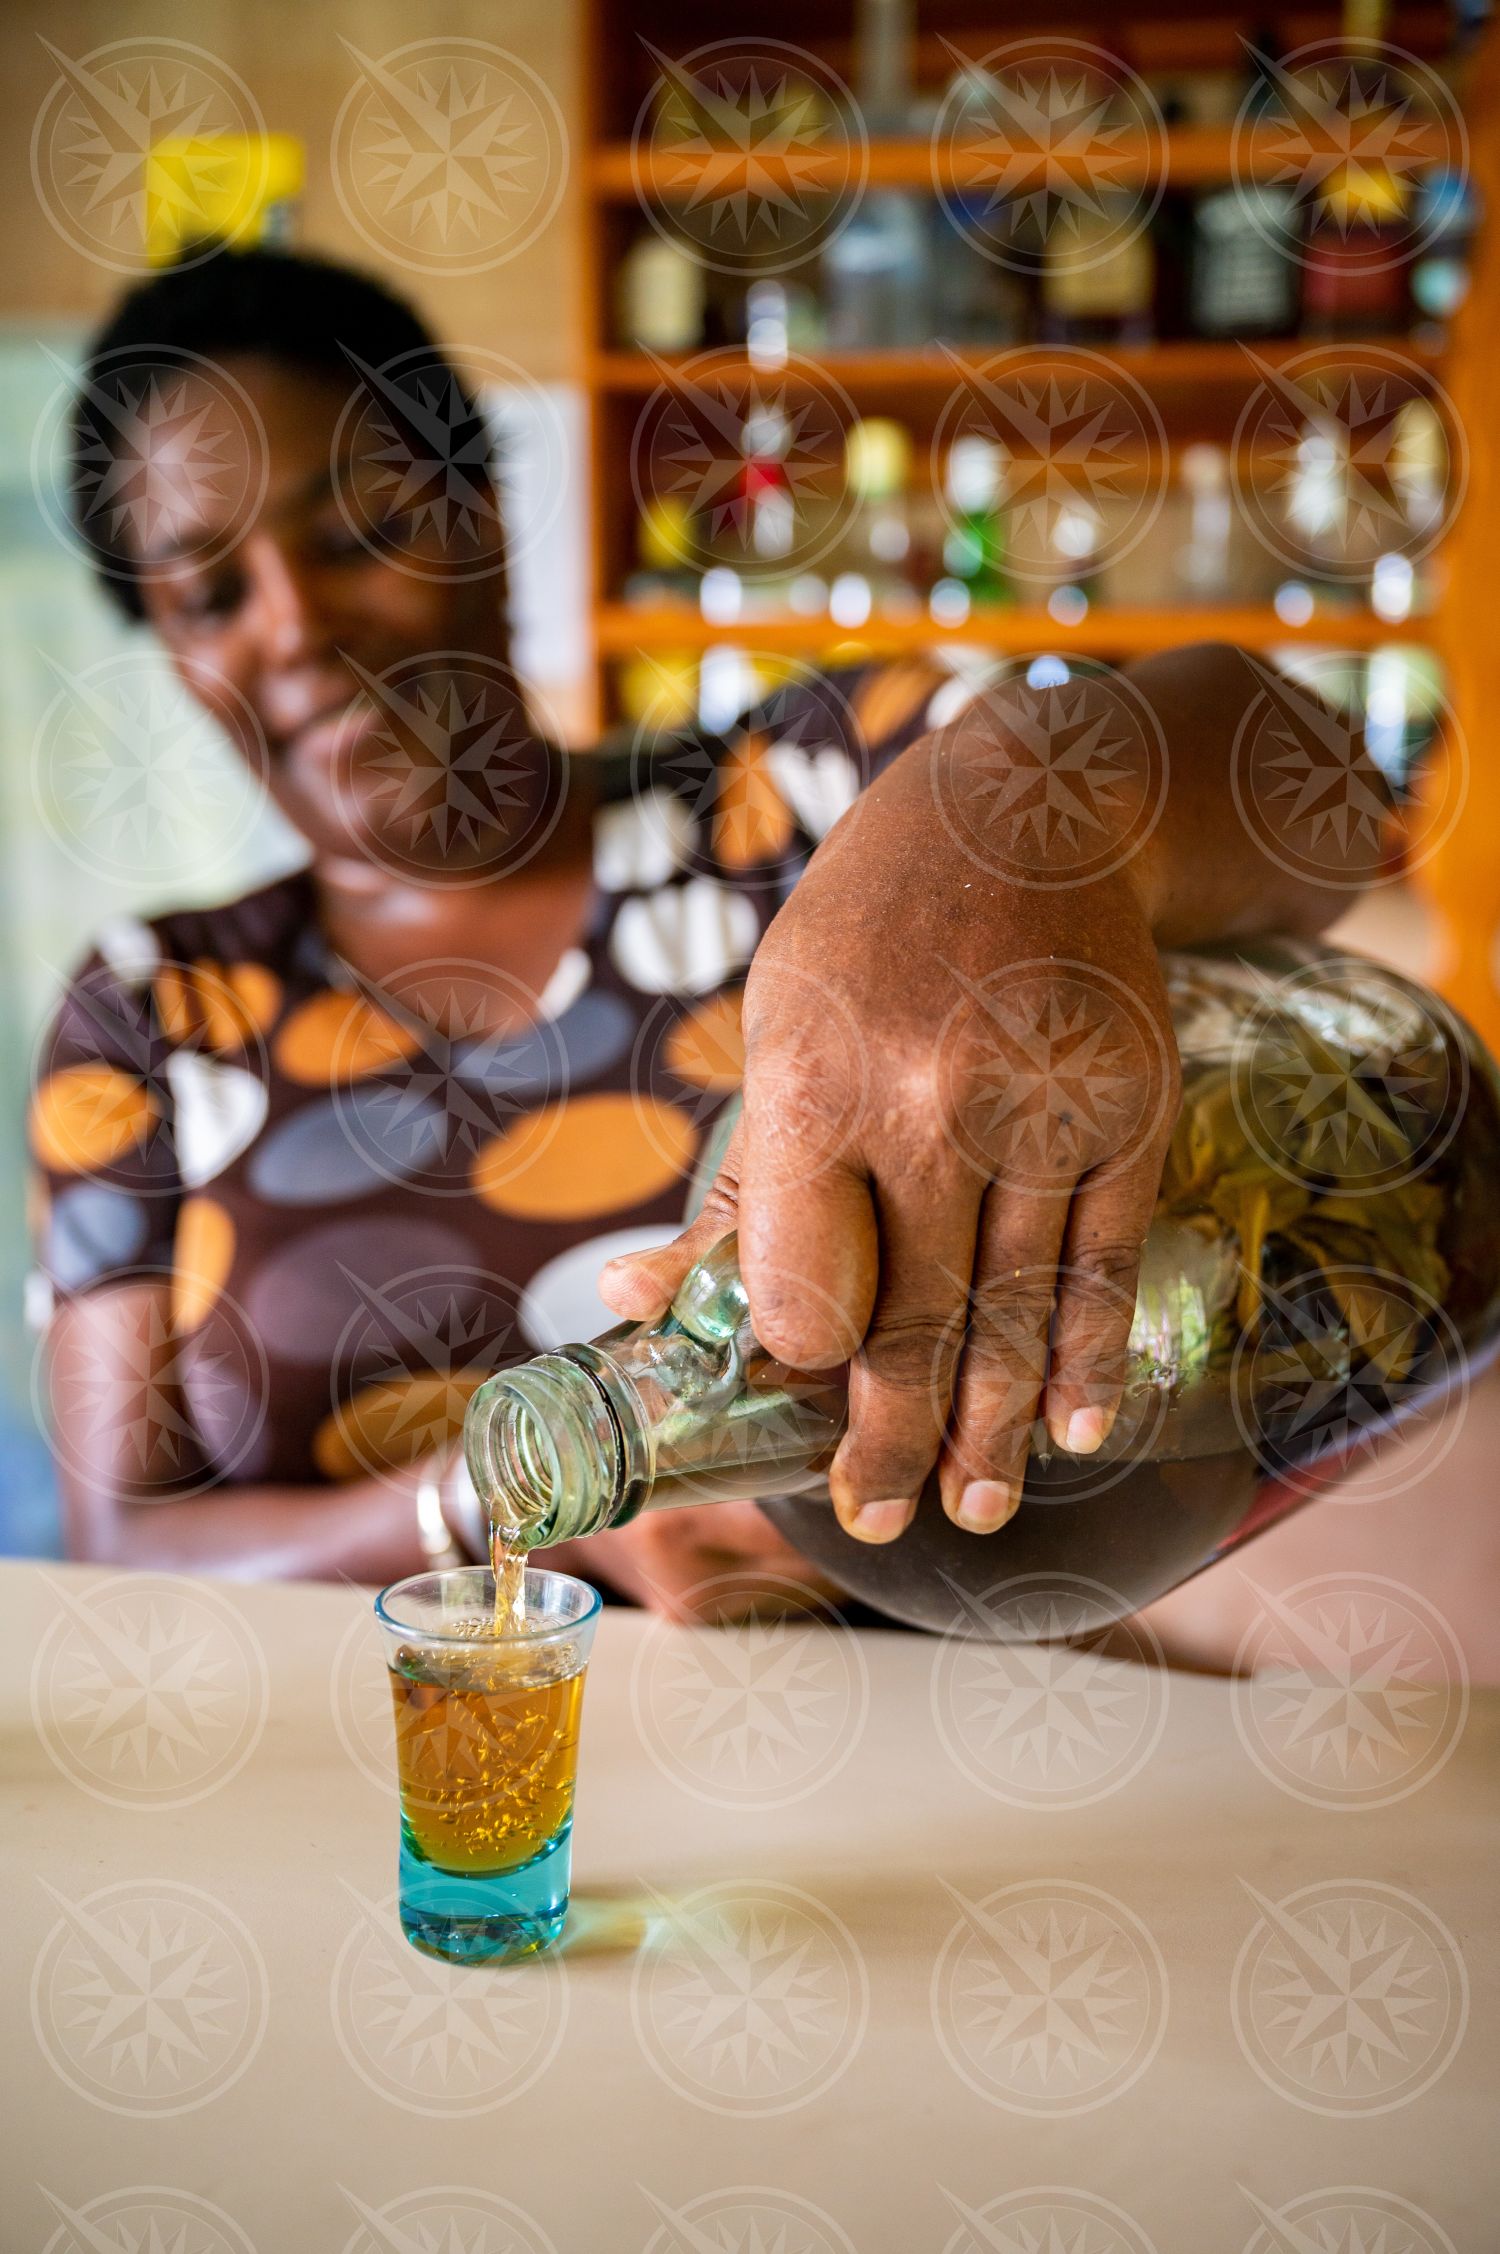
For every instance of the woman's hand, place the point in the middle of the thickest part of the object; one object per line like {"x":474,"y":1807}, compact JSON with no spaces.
{"x":960,"y":1083}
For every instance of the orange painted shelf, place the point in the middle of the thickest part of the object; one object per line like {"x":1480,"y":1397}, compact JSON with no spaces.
{"x":1228,"y":366}
{"x":1185,"y":156}
{"x":622,"y":631}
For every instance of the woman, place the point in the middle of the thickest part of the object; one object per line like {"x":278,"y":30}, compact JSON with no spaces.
{"x":317,"y":1160}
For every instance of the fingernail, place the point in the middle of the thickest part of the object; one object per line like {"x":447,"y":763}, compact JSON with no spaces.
{"x":1086,"y":1430}
{"x":882,"y":1522}
{"x":986,"y":1504}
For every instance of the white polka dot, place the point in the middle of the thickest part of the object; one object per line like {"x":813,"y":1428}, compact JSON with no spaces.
{"x":37,"y":1301}
{"x":567,"y":982}
{"x":130,"y":948}
{"x":561,"y":1304}
{"x":218,"y":1110}
{"x":818,"y":786}
{"x":640,"y":843}
{"x":686,"y":939}
{"x":957,"y":693}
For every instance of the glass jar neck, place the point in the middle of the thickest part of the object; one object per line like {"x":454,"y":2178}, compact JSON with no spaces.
{"x":550,"y":1451}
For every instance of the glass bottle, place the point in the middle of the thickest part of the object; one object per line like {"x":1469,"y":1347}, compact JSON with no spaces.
{"x":1255,"y":1371}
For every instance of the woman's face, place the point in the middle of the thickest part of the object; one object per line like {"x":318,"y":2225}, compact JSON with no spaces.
{"x":342,"y":619}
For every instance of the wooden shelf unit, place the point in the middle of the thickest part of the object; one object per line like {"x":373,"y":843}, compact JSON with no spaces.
{"x":1196,"y":385}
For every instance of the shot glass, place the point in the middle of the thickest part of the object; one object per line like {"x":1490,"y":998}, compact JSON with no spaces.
{"x":487,"y":1755}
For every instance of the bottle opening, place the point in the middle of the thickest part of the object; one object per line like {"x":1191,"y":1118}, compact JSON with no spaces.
{"x":526,"y":1470}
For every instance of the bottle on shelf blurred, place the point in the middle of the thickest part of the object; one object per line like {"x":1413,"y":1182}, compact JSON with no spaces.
{"x":1243,"y":280}
{"x":1099,"y":276}
{"x":1203,"y":561}
{"x":665,"y":573}
{"x":661,"y":296}
{"x":976,"y":298}
{"x":974,"y":547}
{"x":1445,"y":228}
{"x":876,"y":269}
{"x":1356,"y":276}
{"x":874,"y":566}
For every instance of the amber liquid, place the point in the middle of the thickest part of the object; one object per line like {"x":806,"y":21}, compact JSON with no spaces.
{"x":487,"y":1753}
{"x":509,"y":1568}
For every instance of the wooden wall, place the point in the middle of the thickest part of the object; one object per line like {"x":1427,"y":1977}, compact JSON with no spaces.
{"x":289,"y":52}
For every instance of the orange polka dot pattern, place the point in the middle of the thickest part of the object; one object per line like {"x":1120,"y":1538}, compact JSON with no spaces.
{"x":379,"y":1197}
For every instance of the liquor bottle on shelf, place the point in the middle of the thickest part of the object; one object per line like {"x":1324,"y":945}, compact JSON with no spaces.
{"x":1445,"y":227}
{"x":974,"y":549}
{"x":1243,"y":279}
{"x":873,"y":568}
{"x":1099,"y":277}
{"x":876,"y":268}
{"x":665,"y":572}
{"x":661,"y":295}
{"x":750,"y":558}
{"x":1203,"y":566}
{"x":1356,"y":276}
{"x":976,"y":299}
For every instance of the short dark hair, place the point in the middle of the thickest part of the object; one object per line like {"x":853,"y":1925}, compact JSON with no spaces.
{"x":303,"y":311}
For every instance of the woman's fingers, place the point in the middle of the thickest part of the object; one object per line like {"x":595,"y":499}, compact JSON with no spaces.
{"x":1101,"y":1257}
{"x":1004,"y":1363}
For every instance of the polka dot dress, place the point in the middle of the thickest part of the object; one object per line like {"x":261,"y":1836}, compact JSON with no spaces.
{"x":364,"y":1209}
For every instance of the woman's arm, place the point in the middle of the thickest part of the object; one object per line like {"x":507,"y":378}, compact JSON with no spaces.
{"x":131,"y":1481}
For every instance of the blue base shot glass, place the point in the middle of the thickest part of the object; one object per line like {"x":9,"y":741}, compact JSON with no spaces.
{"x":487,"y":1749}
